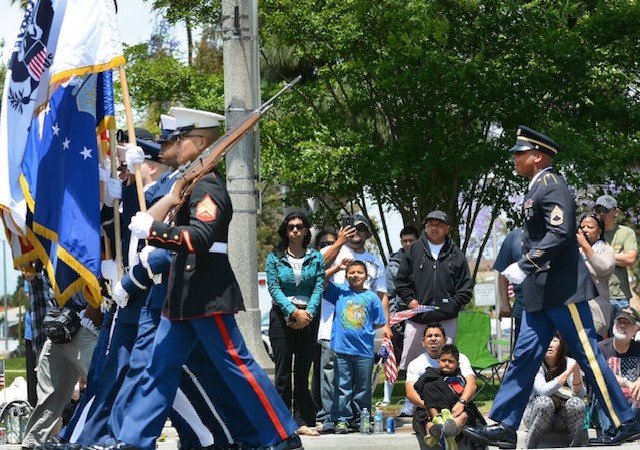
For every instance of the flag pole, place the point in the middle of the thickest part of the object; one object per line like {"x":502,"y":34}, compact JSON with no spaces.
{"x":116,"y":206}
{"x":132,"y":136}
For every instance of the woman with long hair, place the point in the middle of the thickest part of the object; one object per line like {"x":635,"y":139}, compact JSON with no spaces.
{"x":557,"y":400}
{"x":601,"y":261}
{"x":295,"y":278}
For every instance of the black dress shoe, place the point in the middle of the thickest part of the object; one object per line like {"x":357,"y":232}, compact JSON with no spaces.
{"x":120,"y":446}
{"x":293,"y":442}
{"x":59,"y":446}
{"x":495,"y":435}
{"x":629,"y":431}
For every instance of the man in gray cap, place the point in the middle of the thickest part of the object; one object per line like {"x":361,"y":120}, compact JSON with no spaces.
{"x":624,"y":243}
{"x":434,"y":271}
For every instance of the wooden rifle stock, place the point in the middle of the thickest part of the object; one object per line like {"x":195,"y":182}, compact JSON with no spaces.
{"x":213,"y":154}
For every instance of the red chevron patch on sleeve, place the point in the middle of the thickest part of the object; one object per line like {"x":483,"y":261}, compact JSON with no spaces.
{"x":206,"y":209}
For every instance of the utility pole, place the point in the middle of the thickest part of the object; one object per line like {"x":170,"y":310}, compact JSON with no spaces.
{"x":242,"y":95}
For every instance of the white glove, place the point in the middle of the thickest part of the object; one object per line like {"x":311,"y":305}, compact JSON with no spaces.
{"x":106,"y":304}
{"x":113,"y":191}
{"x":103,"y":174}
{"x":109,"y":270}
{"x":134,"y":156}
{"x":140,"y":225}
{"x":87,"y":323}
{"x":119,"y":295}
{"x":514,"y":274}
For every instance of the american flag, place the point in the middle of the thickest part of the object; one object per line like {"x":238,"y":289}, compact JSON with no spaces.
{"x":409,"y":313}
{"x":1,"y":374}
{"x":389,"y":358}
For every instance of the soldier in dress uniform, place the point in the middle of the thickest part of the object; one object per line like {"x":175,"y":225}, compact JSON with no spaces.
{"x":557,"y":286}
{"x":200,"y":308}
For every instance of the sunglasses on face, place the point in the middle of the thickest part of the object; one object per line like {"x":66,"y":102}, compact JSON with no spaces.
{"x":362,"y":228}
{"x":323,"y":244}
{"x":602,"y":210}
{"x":296,"y":226}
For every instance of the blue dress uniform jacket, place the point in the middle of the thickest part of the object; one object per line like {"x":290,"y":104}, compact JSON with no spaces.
{"x":201,"y":283}
{"x":558,"y":275}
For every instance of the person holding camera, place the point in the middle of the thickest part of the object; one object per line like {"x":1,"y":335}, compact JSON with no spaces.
{"x":351,"y":244}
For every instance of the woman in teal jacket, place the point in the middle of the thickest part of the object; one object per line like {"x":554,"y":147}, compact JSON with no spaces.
{"x":295,"y":277}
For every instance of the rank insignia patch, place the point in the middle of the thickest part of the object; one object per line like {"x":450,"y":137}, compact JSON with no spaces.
{"x":557,"y":216}
{"x":206,"y":210}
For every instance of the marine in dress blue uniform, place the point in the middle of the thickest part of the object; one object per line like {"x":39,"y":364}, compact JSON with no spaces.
{"x":556,"y":287}
{"x":200,"y":309}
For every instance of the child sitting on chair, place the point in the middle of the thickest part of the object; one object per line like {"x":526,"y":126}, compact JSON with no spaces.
{"x":358,"y":313}
{"x":440,"y":389}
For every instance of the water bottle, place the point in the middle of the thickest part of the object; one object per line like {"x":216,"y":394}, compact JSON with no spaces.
{"x":365,"y":422}
{"x":378,"y":421}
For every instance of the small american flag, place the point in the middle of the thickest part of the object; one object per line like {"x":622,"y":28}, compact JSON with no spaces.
{"x":511,"y":293}
{"x":389,"y":357}
{"x":409,"y":313}
{"x":1,"y":374}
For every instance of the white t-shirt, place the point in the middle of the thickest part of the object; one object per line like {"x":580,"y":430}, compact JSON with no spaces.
{"x":418,"y":366}
{"x":376,"y":282}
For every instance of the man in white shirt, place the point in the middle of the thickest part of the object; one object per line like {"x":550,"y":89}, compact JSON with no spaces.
{"x":433,"y":340}
{"x":349,"y":245}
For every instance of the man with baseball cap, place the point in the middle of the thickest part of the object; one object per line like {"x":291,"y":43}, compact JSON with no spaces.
{"x":557,"y":286}
{"x":622,"y":353}
{"x":434,"y":271}
{"x":625,"y":245}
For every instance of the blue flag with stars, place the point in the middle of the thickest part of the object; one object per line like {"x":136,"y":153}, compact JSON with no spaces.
{"x":62,"y":189}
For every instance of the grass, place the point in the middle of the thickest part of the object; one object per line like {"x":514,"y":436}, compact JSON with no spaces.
{"x":14,"y":367}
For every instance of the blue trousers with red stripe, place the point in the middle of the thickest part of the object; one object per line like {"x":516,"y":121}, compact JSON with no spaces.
{"x":575,"y":324}
{"x":250,"y":407}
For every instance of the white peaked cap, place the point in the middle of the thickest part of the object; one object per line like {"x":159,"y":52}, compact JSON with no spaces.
{"x":187,"y":118}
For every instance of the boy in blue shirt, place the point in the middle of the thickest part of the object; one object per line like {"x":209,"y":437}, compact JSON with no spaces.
{"x":358,"y":313}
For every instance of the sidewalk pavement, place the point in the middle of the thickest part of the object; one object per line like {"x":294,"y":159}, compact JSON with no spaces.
{"x":403,"y":438}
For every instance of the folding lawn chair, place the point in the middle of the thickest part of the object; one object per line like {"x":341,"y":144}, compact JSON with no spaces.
{"x":473,"y":340}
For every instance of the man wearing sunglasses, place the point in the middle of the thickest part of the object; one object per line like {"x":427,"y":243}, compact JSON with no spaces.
{"x":624,"y":243}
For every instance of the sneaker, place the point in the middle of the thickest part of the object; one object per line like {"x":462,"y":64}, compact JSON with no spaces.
{"x":430,"y":441}
{"x":328,"y":427}
{"x":449,"y":426}
{"x":382,"y":403}
{"x":342,"y":428}
{"x":437,"y":425}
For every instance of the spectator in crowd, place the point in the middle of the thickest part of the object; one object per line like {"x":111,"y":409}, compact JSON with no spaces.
{"x":408,"y":235}
{"x":557,"y":402}
{"x":625,"y":245}
{"x":510,"y":252}
{"x":434,"y":271}
{"x":39,"y":293}
{"x":434,"y":339}
{"x":440,"y":389}
{"x":622,"y":353}
{"x":295,"y":278}
{"x":358,"y":313}
{"x":351,"y":244}
{"x":325,"y":238}
{"x":59,"y":366}
{"x":600,"y":259}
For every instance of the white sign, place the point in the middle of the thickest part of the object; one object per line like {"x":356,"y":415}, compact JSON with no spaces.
{"x":485,"y":294}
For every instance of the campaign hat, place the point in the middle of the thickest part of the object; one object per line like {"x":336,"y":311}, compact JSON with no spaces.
{"x":529,"y":139}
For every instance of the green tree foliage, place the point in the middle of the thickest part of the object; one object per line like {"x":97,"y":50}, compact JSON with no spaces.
{"x":415,"y":102}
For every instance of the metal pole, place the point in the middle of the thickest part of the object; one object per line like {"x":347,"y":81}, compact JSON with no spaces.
{"x":241,"y":95}
{"x":6,"y":306}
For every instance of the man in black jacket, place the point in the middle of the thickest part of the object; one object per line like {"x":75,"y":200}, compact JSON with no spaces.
{"x":434,"y":271}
